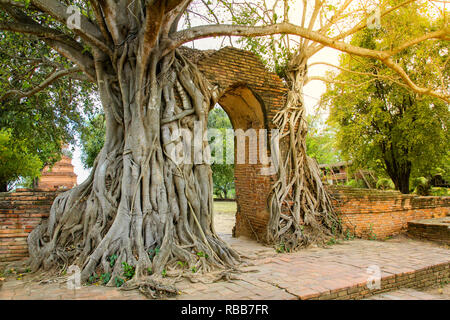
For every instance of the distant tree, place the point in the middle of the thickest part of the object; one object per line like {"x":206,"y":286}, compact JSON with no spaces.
{"x":41,"y":102}
{"x":320,"y":141}
{"x":222,"y":173}
{"x":15,"y":160}
{"x":92,"y":139}
{"x":382,"y":124}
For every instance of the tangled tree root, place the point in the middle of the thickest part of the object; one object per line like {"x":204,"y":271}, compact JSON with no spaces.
{"x":301,"y":212}
{"x":140,"y":208}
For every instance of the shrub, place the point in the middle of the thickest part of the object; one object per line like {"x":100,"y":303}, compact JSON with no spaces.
{"x":421,"y":186}
{"x":385,"y":184}
{"x":356,"y":184}
{"x":440,"y":192}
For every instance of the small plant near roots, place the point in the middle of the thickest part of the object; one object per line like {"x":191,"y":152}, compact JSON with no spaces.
{"x":128,"y":270}
{"x":153,"y":252}
{"x":372,"y":235}
{"x":11,"y":271}
{"x":93,"y":279}
{"x":201,"y":254}
{"x":348,"y":235}
{"x":194,"y":269}
{"x":105,"y":277}
{"x":112,"y":260}
{"x":332,"y":241}
{"x":164,"y":273}
{"x":282,"y":248}
{"x":118,"y":282}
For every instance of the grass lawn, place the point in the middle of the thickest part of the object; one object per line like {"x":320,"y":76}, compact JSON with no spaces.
{"x":225,"y":206}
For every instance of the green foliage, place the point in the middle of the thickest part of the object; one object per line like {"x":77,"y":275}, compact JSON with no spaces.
{"x":385,"y":184}
{"x":112,"y":260}
{"x":274,"y":51}
{"x":128,"y":270}
{"x":380,"y":124}
{"x":440,"y":192}
{"x":92,"y":279}
{"x":16,"y":160}
{"x":92,"y":139}
{"x":153,"y":252}
{"x":45,"y":120}
{"x":201,"y":254}
{"x":371,"y":234}
{"x":281,"y":248}
{"x":222,"y":173}
{"x":105,"y":277}
{"x":320,"y":141}
{"x":348,"y":235}
{"x":422,"y":186}
{"x":356,"y":183}
{"x":164,"y":273}
{"x":118,"y":282}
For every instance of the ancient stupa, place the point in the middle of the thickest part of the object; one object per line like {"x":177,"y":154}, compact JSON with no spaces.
{"x":59,"y":176}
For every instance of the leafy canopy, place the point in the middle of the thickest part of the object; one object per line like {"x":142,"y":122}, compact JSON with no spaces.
{"x":16,"y":160}
{"x":379,"y":122}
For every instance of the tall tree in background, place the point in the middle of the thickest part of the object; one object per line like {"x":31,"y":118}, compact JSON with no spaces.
{"x":92,"y":139}
{"x":15,"y":160}
{"x":321,"y":141}
{"x":137,"y":198}
{"x":41,"y":101}
{"x":381,"y":123}
{"x":222,"y":173}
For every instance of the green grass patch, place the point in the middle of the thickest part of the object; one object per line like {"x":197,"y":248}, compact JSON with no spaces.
{"x":225,"y":206}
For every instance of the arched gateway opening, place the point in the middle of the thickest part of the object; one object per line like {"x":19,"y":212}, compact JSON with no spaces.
{"x":251,"y":96}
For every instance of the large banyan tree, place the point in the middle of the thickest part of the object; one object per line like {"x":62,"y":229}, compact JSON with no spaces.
{"x":139,"y":205}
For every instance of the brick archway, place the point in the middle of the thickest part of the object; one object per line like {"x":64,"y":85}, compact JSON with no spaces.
{"x":251,"y":96}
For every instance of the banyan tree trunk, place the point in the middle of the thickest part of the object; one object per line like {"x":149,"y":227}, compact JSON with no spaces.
{"x":301,"y":211}
{"x":140,"y":205}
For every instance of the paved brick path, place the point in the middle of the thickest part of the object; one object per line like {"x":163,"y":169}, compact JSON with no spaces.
{"x":305,"y":274}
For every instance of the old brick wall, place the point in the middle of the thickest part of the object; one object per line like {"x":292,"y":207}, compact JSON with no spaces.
{"x":379,"y":214}
{"x":21,"y":212}
{"x":368,"y":213}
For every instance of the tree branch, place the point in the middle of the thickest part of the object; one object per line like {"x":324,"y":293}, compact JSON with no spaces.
{"x":286,"y":28}
{"x":88,"y":30}
{"x":48,"y":81}
{"x":59,"y":41}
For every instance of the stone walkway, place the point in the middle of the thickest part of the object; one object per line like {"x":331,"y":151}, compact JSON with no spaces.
{"x":340,"y":271}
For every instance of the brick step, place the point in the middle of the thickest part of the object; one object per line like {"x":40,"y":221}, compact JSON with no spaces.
{"x":437,"y":229}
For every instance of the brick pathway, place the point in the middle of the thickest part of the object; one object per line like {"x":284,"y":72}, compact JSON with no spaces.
{"x":336,"y":272}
